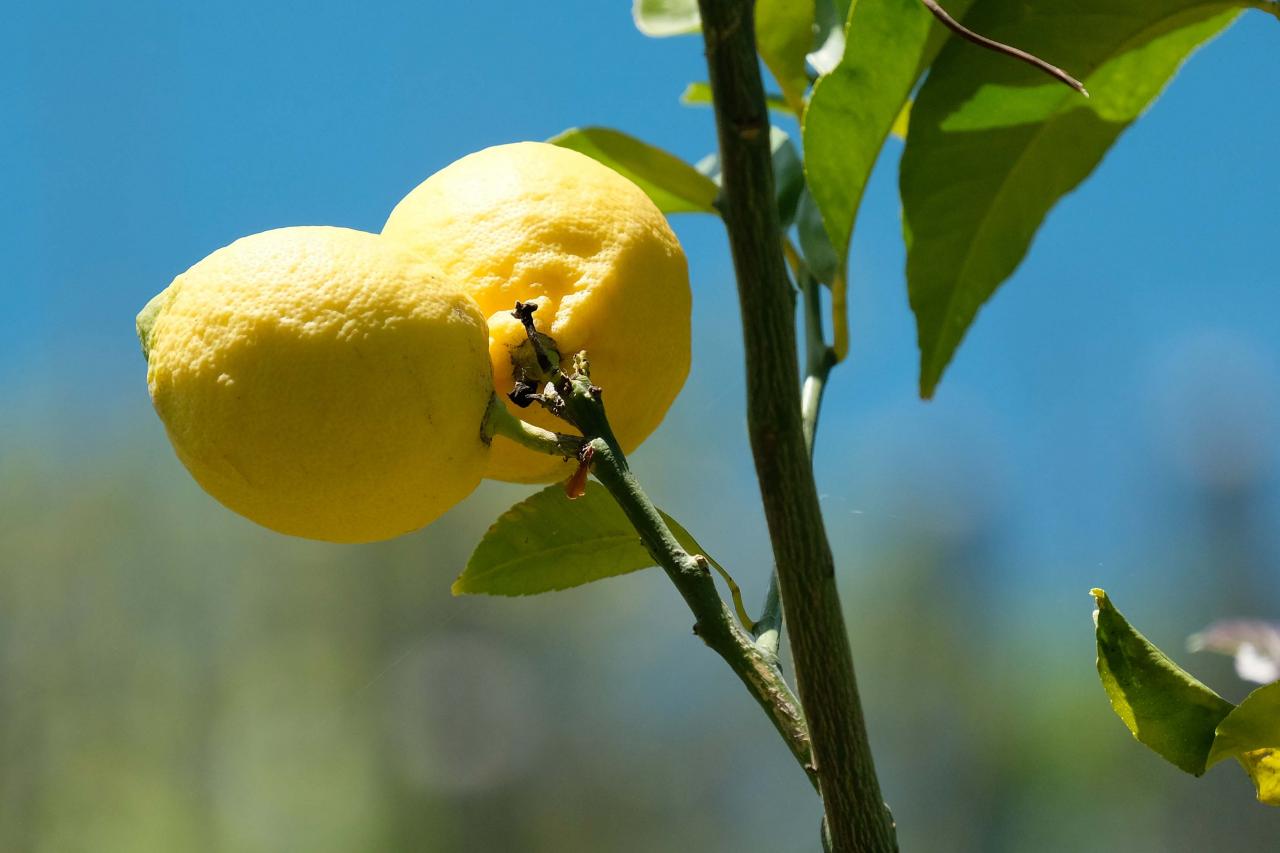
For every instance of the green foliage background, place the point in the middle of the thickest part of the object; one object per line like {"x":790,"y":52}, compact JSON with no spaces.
{"x":173,"y":678}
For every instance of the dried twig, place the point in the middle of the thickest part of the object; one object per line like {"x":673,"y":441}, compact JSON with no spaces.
{"x":991,"y":44}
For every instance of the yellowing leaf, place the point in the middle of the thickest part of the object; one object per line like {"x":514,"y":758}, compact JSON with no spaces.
{"x":1263,"y":767}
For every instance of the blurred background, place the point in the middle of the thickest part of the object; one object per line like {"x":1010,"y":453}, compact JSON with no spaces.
{"x":173,"y":678}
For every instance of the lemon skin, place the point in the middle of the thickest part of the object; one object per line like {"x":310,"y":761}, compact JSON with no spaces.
{"x":321,"y":383}
{"x":539,"y":223}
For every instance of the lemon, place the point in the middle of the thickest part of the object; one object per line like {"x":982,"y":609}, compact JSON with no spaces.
{"x":538,"y":223}
{"x":321,"y":383}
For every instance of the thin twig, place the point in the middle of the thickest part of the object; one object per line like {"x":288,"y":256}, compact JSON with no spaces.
{"x":991,"y":44}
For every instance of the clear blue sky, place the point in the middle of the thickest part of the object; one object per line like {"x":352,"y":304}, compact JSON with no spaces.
{"x":138,"y":137}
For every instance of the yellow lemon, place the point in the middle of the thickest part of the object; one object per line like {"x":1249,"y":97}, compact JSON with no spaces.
{"x":321,"y":383}
{"x":538,"y":223}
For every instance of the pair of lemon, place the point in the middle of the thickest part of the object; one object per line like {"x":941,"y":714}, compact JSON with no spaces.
{"x":332,"y":383}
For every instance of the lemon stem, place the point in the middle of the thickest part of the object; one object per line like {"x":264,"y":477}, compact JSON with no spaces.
{"x":578,"y":401}
{"x":498,"y":420}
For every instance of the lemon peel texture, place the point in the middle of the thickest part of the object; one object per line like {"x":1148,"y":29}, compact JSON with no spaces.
{"x":322,"y":383}
{"x":538,"y":223}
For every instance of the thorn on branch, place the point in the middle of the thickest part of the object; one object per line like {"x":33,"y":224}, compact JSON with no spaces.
{"x":991,"y":44}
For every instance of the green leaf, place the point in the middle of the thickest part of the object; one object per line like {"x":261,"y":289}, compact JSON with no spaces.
{"x":661,"y":18}
{"x":548,"y":542}
{"x":994,"y":144}
{"x":674,"y":185}
{"x":1253,"y":725}
{"x":1178,"y":717}
{"x":1251,"y":735}
{"x":784,"y":34}
{"x":699,"y":95}
{"x":1164,"y":707}
{"x":788,"y":175}
{"x":854,"y":108}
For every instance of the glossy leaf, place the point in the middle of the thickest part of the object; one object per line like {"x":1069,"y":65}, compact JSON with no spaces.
{"x":854,"y":108}
{"x":674,"y":185}
{"x":1164,"y":707}
{"x":994,"y":144}
{"x":661,"y":18}
{"x":784,"y":34}
{"x":548,"y":542}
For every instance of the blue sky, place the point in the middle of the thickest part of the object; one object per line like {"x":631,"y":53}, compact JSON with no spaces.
{"x":139,"y":137}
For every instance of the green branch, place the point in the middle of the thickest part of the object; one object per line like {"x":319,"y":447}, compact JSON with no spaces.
{"x":855,"y":812}
{"x":498,"y":420}
{"x":574,"y":398}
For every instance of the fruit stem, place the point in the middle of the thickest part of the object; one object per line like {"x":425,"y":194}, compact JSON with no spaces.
{"x":498,"y":420}
{"x":757,"y":669}
{"x":574,"y":398}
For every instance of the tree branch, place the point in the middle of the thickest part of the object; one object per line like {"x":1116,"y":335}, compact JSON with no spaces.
{"x":856,"y":814}
{"x":580,"y":402}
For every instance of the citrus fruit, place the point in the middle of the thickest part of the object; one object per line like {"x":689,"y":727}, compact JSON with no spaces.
{"x":321,"y":383}
{"x":538,"y":223}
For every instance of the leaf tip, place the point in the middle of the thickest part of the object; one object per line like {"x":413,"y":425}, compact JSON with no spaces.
{"x":1100,"y":600}
{"x":928,"y":385}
